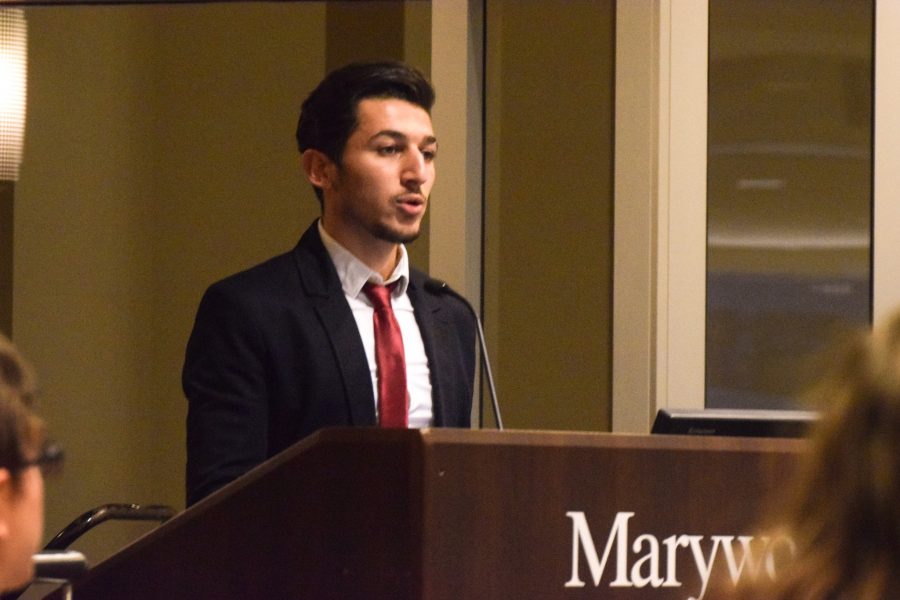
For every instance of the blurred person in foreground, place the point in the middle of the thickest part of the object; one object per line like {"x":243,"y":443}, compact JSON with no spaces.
{"x":844,"y":516}
{"x":22,"y":458}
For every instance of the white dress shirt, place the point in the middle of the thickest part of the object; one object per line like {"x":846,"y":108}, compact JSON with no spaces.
{"x":354,"y":275}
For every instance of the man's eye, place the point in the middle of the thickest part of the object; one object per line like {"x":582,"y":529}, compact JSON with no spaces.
{"x":429,"y":154}
{"x":389,"y":150}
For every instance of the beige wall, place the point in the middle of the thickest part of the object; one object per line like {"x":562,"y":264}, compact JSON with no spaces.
{"x":159,"y":158}
{"x":548,"y":242}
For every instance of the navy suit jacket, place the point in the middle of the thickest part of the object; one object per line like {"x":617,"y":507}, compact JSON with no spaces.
{"x":275,"y":354}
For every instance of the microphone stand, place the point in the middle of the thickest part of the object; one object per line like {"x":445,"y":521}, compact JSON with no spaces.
{"x":440,"y":287}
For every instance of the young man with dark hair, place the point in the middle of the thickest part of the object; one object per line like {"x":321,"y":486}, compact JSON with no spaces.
{"x":297,"y":343}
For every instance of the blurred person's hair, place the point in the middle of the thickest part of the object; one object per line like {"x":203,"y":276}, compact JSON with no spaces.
{"x":21,"y":430}
{"x":844,"y":514}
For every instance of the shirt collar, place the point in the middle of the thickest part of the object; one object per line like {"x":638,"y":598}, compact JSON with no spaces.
{"x":354,"y":274}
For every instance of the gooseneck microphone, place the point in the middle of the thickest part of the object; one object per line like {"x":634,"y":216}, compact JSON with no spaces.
{"x":436,"y":286}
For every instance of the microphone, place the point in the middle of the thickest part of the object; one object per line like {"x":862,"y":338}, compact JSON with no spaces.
{"x":436,"y":286}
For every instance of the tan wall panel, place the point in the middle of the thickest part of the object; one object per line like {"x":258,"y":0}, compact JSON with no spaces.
{"x":548,"y":232}
{"x":160,"y":157}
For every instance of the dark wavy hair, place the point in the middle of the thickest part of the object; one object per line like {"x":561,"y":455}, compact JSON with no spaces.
{"x":328,"y":116}
{"x":21,"y":430}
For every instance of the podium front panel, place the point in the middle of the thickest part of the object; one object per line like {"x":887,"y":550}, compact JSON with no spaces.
{"x":451,"y":515}
{"x":509,"y":516}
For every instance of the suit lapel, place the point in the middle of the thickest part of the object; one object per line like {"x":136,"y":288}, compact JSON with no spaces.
{"x":432,"y":327}
{"x":323,"y":288}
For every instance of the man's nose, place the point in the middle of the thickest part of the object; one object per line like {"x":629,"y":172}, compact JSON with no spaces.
{"x":415,"y":167}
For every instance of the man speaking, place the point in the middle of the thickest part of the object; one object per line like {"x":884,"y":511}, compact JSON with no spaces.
{"x":340,"y":330}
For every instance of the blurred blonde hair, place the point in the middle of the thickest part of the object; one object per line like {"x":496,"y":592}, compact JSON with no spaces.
{"x":845,"y":512}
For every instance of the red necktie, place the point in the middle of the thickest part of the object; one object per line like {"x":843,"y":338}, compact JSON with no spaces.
{"x":389,"y":358}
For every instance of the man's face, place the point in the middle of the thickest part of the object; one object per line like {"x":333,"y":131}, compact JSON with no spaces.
{"x":379,"y":193}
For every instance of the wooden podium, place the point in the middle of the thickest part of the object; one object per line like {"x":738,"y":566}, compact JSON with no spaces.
{"x":457,"y":515}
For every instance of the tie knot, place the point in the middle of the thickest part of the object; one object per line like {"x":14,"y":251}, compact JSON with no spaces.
{"x":379,"y":295}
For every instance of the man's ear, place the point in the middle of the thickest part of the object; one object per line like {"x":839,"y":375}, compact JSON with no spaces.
{"x":320,"y":170}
